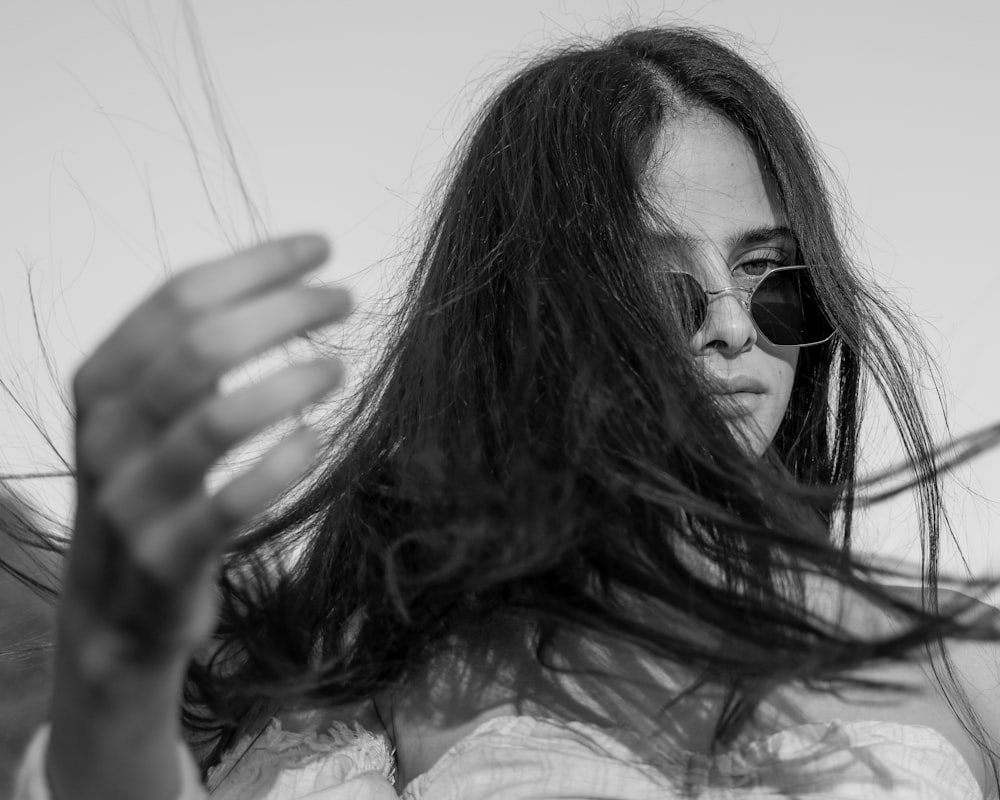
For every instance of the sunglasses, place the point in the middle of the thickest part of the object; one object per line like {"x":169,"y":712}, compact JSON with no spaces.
{"x":782,"y":304}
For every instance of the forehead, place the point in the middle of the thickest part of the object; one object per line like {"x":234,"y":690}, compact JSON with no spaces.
{"x":706,"y":179}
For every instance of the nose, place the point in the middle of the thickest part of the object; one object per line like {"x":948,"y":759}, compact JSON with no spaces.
{"x":728,"y":328}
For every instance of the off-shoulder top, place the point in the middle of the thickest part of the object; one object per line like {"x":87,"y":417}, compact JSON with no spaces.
{"x":528,"y":758}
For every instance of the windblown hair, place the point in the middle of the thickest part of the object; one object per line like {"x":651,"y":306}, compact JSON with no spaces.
{"x":28,"y":552}
{"x":28,"y":562}
{"x":536,"y":449}
{"x":535,"y":444}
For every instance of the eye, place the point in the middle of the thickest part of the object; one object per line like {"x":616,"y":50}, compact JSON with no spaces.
{"x":759,"y":264}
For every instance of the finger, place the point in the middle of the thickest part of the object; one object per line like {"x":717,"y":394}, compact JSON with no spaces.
{"x":158,"y":479}
{"x":176,"y":548}
{"x":219,"y":342}
{"x":190,"y":294}
{"x":206,"y":435}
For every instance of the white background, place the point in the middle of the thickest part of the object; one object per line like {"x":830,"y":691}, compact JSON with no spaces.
{"x":342,"y":113}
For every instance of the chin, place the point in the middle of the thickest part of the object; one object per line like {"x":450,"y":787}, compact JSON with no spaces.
{"x":752,"y":436}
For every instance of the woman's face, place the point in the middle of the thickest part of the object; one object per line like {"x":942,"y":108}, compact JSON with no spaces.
{"x":705,"y":177}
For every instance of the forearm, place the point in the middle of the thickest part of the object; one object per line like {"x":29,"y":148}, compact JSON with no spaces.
{"x":139,"y":593}
{"x":115,"y":728}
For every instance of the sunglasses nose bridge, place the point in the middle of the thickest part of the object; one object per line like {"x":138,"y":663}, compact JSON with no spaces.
{"x":743,"y":294}
{"x":727,"y":327}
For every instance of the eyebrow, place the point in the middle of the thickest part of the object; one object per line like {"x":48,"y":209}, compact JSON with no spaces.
{"x":761,"y":235}
{"x":751,"y":237}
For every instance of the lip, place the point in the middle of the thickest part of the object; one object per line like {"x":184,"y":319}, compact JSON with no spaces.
{"x":738,"y":384}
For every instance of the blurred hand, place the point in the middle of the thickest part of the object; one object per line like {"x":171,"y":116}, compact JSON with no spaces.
{"x":139,"y":594}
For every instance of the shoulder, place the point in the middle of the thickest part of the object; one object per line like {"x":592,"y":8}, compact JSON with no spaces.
{"x":977,"y":662}
{"x":972,"y":666}
{"x":977,"y":672}
{"x":977,"y":659}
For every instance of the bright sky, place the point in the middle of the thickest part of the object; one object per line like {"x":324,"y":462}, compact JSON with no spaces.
{"x":342,"y":113}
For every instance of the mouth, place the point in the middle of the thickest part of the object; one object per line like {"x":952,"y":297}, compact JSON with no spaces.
{"x":737,"y":386}
{"x":738,"y":396}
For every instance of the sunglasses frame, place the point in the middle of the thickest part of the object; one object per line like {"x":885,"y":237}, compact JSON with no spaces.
{"x":744,"y":294}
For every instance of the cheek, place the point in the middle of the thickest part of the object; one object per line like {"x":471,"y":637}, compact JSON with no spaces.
{"x":785,"y":364}
{"x":782,"y":378}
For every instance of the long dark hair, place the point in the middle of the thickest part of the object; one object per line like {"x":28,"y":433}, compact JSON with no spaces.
{"x":535,"y":444}
{"x":29,"y":560}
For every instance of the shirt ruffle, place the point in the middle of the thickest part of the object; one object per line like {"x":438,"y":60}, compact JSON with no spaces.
{"x":522,"y":757}
{"x":279,"y":764}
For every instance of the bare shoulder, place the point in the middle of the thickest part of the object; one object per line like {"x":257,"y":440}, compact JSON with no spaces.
{"x":976,"y":661}
{"x":977,"y":670}
{"x":975,"y":667}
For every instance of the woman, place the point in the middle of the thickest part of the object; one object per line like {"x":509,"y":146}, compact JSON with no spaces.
{"x":585,"y":530}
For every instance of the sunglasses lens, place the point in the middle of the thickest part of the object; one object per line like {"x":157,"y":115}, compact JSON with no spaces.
{"x":786,"y":310}
{"x":687,"y":299}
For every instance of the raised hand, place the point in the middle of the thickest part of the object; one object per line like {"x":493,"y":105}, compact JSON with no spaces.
{"x":139,"y":590}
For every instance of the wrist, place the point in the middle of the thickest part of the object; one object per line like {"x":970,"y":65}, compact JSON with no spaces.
{"x":115,"y":720}
{"x":33,"y":781}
